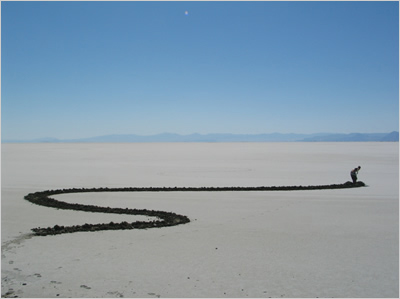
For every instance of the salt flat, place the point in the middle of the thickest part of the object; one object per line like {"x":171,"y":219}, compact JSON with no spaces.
{"x":321,"y":243}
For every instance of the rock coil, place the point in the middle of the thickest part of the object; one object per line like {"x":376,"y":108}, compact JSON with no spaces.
{"x":164,"y":218}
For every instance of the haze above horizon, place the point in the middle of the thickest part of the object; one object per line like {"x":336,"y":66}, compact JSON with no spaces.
{"x":78,"y":69}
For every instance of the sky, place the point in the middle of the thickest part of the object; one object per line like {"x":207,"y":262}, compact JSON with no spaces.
{"x":83,"y":69}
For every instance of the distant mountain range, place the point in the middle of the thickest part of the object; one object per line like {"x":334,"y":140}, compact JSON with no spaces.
{"x":273,"y":137}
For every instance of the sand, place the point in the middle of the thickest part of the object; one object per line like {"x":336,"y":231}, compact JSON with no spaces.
{"x":320,"y":243}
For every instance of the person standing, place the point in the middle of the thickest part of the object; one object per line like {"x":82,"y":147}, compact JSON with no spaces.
{"x":354,"y":173}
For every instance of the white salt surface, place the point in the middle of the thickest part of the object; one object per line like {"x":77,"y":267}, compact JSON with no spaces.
{"x":322,"y":243}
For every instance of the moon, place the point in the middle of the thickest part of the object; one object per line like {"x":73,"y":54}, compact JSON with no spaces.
{"x":186,"y":13}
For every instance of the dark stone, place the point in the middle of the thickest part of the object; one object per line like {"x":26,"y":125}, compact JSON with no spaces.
{"x":166,"y":218}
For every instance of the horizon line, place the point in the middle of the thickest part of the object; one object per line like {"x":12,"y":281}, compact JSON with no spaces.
{"x":300,"y":135}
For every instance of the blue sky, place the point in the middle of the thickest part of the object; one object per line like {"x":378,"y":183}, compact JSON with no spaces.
{"x":82,"y":69}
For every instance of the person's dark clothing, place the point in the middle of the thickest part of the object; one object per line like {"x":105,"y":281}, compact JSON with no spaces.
{"x":353,"y":174}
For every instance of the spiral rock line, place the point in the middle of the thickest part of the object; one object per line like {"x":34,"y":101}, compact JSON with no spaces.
{"x":165,"y":218}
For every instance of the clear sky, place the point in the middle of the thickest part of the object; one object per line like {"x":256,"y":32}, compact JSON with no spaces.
{"x":82,"y":69}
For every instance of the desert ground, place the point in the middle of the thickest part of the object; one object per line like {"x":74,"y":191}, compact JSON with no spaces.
{"x":314,"y":243}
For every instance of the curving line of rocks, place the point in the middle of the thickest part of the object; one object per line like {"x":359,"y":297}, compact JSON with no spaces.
{"x":165,"y":218}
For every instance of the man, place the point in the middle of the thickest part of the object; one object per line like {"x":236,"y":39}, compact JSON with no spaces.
{"x":354,"y":173}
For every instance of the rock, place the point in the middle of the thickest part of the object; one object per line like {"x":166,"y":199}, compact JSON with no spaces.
{"x":166,"y":218}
